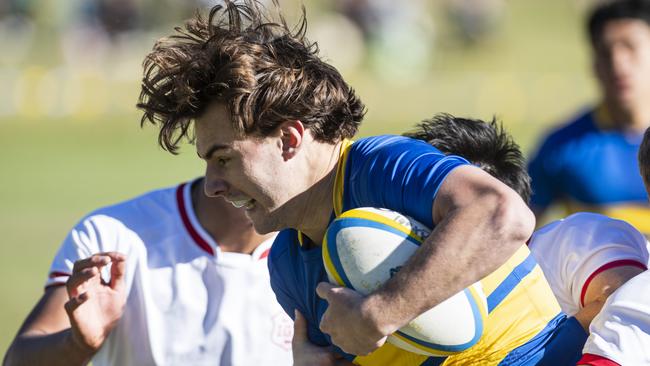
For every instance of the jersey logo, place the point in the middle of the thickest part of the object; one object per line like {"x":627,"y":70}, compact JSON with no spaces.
{"x":282,"y":331}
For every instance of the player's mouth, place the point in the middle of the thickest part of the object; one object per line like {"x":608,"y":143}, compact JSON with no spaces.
{"x":246,"y":204}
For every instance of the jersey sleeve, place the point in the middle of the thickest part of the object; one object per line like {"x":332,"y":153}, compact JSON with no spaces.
{"x":606,"y":243}
{"x":397,"y":173}
{"x":573,"y":250}
{"x":621,"y":331}
{"x":94,"y":234}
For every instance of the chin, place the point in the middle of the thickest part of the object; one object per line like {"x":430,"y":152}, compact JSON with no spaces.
{"x":263,"y":225}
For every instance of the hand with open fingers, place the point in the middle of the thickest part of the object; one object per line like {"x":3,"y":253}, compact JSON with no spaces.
{"x":348,"y":323}
{"x":95,"y":306}
{"x":307,"y":354}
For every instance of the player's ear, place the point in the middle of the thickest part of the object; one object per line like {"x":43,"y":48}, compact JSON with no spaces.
{"x":292,"y":133}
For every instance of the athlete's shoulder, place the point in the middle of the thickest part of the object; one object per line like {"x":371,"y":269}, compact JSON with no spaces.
{"x":577,"y":127}
{"x":586,"y":230}
{"x":145,"y":206}
{"x":145,"y":213}
{"x":372,"y":144}
{"x":152,"y":200}
{"x":593,"y":225}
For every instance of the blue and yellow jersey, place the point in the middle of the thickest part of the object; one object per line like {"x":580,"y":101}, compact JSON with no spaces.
{"x":524,"y":325}
{"x":589,"y":165}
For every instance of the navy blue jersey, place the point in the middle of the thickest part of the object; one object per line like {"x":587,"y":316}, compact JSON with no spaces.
{"x":588,"y":166}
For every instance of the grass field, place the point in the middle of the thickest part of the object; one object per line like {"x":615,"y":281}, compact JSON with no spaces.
{"x":52,"y":172}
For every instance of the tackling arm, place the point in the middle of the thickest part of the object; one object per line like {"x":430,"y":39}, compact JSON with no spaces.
{"x":68,"y":326}
{"x":45,"y":337}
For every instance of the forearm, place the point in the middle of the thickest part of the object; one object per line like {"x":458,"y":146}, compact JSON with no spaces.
{"x":467,"y":245}
{"x":53,"y":349}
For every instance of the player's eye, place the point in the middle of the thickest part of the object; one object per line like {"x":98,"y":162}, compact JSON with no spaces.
{"x":222,"y":161}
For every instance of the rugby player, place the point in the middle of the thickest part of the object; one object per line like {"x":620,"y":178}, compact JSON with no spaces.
{"x":273,"y":121}
{"x":590,"y":163}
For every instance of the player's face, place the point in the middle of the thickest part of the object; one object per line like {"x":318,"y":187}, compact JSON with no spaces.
{"x":622,"y":62}
{"x":249,"y":172}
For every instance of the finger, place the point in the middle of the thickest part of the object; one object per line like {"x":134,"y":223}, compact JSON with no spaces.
{"x":115,"y":256}
{"x":324,"y":289}
{"x":79,"y":278}
{"x":96,"y":260}
{"x":75,"y":302}
{"x":118,"y":271}
{"x":299,"y":327}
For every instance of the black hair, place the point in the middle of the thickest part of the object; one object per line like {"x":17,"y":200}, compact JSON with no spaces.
{"x":616,"y":10}
{"x":485,"y":144}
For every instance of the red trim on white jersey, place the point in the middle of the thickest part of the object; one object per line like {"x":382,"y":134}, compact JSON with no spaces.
{"x":55,"y":284}
{"x":180,"y":199}
{"x":610,"y":265}
{"x":59,"y":274}
{"x":264,"y":254}
{"x":596,"y":360}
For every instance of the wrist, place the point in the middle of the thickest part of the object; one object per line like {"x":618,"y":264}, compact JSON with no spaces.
{"x":77,"y":346}
{"x":377,"y":310}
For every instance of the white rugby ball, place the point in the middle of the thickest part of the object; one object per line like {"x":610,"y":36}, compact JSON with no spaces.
{"x":365,"y":247}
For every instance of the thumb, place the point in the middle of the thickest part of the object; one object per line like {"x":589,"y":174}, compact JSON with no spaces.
{"x":323,"y":289}
{"x":299,"y":327}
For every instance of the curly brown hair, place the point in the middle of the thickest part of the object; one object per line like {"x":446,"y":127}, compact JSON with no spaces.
{"x":265,"y":72}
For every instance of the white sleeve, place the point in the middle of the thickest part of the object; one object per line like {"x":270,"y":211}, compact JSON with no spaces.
{"x":94,"y":234}
{"x":573,"y":250}
{"x":621,"y":331}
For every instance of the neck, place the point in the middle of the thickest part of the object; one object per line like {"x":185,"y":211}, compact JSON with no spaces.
{"x":319,"y":203}
{"x":635,"y":119}
{"x":227,"y":225}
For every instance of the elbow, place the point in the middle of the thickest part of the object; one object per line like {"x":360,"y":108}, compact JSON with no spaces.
{"x":513,"y":221}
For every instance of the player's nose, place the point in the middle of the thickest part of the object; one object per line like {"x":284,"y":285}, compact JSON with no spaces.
{"x":215,"y":186}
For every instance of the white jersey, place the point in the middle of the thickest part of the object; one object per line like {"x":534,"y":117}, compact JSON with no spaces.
{"x":621,"y":331}
{"x":188,"y":303}
{"x":572,"y":251}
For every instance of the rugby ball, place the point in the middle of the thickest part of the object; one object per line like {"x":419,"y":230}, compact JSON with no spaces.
{"x":365,"y":247}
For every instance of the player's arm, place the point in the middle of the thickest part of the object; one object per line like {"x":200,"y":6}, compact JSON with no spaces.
{"x":69,"y":325}
{"x":480,"y":223}
{"x":600,"y":287}
{"x":45,"y":338}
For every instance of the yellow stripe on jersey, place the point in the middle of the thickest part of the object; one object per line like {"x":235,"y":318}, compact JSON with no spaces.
{"x":340,"y":177}
{"x":522,"y":313}
{"x":390,"y":355}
